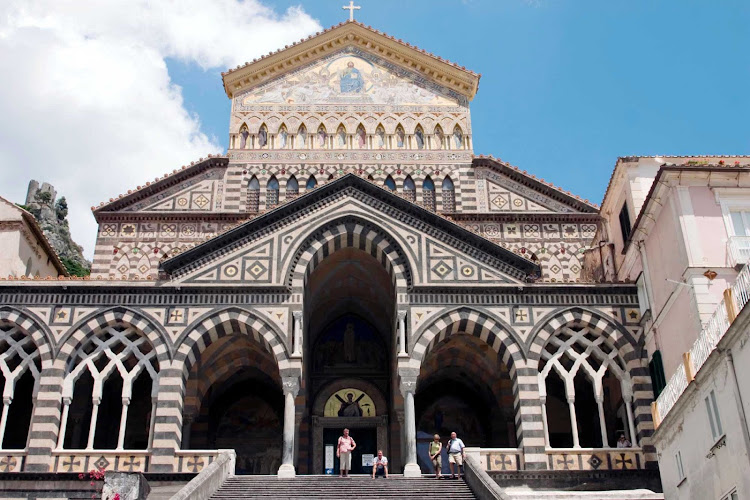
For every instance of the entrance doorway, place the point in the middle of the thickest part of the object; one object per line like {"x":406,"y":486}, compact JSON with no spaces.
{"x":350,"y":321}
{"x":366,"y":439}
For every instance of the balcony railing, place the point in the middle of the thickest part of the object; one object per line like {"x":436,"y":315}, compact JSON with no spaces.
{"x":739,"y":250}
{"x":734,"y":300}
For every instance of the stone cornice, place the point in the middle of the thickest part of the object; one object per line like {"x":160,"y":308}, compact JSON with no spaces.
{"x":535,"y":217}
{"x":355,"y":34}
{"x":346,"y":155}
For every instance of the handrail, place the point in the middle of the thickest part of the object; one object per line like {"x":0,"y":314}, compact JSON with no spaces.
{"x":209,"y":480}
{"x":735,"y":298}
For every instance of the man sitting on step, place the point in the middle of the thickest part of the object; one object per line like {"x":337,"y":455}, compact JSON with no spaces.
{"x":380,"y":466}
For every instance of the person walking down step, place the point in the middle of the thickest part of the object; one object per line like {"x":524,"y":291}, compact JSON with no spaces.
{"x":344,"y":451}
{"x":435,"y":448}
{"x":456,"y":454}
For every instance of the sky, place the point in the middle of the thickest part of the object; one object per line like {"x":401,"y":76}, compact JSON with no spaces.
{"x":98,"y":97}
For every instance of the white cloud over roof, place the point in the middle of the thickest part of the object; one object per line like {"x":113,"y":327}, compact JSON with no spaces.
{"x":86,"y":100}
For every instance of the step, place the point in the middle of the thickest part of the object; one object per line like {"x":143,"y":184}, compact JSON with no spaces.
{"x":328,"y":487}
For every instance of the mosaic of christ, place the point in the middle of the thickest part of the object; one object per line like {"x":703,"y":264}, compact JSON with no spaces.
{"x":343,"y":79}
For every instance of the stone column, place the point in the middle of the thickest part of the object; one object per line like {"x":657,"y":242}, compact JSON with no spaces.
{"x":543,"y":401}
{"x":631,"y":420}
{"x":402,"y":334}
{"x":63,"y":422}
{"x":408,"y":387}
{"x":602,"y":420}
{"x":291,"y":388}
{"x":123,"y":423}
{"x":573,"y":421}
{"x":92,"y":425}
{"x":297,"y":334}
{"x":4,"y":418}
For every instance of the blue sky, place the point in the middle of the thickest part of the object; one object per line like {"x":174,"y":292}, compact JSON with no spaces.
{"x":567,"y":85}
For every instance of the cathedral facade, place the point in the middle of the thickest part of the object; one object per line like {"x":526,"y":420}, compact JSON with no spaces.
{"x":349,"y":263}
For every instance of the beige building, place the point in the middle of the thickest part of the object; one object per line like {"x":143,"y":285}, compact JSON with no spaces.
{"x":24,"y":250}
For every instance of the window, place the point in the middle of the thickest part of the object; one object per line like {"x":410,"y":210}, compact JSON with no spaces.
{"x":625,"y":223}
{"x":656,"y":368}
{"x":449,"y":199}
{"x":428,"y":194}
{"x":731,"y":496}
{"x":410,"y":190}
{"x":253,"y":195}
{"x":292,"y":188}
{"x":272,"y":193}
{"x":713,"y":416}
{"x":740,"y":222}
{"x":680,"y":469}
{"x":389,"y":183}
{"x":311,"y":183}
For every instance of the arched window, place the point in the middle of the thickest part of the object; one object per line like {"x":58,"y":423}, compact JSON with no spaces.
{"x":419,"y":137}
{"x":301,"y":137}
{"x":439,"y":141}
{"x":272,"y":192}
{"x":585,"y":390}
{"x":390,"y":184}
{"x":244,"y":134}
{"x":283,"y":137}
{"x":448,"y":195}
{"x":20,"y":362}
{"x":410,"y":190}
{"x":341,"y":137}
{"x":116,"y":365}
{"x":458,"y":138}
{"x":311,"y":183}
{"x":292,"y":188}
{"x":428,"y":194}
{"x":253,"y":195}
{"x":262,"y":136}
{"x":400,"y":136}
{"x":322,"y":137}
{"x":361,"y":137}
{"x":380,"y":137}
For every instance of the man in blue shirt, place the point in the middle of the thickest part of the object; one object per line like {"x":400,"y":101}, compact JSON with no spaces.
{"x":456,"y":454}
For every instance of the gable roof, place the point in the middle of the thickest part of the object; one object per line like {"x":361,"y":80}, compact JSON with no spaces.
{"x":314,"y":47}
{"x":513,"y":264}
{"x":33,"y":224}
{"x":523,"y":177}
{"x":161,"y":183}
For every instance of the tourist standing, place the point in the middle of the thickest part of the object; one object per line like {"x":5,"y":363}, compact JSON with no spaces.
{"x":435,"y":448}
{"x":456,"y":454}
{"x":344,"y":451}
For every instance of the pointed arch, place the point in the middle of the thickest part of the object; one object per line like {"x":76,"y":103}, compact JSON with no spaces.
{"x":253,"y":194}
{"x":438,"y":138}
{"x":292,"y":188}
{"x":400,"y":136}
{"x":428,"y":193}
{"x":282,"y":137}
{"x":341,"y":137}
{"x":389,"y":183}
{"x":219,"y":323}
{"x":272,"y":192}
{"x":301,"y":137}
{"x":244,"y":135}
{"x":380,"y":136}
{"x":410,"y":189}
{"x":262,"y":136}
{"x":419,"y":137}
{"x":349,"y":231}
{"x":361,"y":137}
{"x":312,"y":183}
{"x":321,"y":137}
{"x":458,"y":137}
{"x":32,"y":326}
{"x":448,"y":195}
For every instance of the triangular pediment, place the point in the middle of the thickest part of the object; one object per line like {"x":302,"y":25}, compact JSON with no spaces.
{"x":505,"y":189}
{"x":359,"y":38}
{"x":434,"y":251}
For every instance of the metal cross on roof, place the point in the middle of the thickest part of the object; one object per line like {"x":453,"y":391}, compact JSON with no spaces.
{"x":351,"y":8}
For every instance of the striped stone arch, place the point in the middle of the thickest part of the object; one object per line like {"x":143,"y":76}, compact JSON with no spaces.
{"x":33,"y":327}
{"x":499,"y":335}
{"x":629,"y":348}
{"x":615,"y":333}
{"x":220,"y":323}
{"x":119,"y":315}
{"x":350,"y":232}
{"x":494,"y":331}
{"x":230,"y":362}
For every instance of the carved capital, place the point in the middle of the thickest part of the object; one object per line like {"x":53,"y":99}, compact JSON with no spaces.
{"x":125,"y":401}
{"x":401,"y":315}
{"x":408,"y":385}
{"x":290,"y":385}
{"x":297,"y":315}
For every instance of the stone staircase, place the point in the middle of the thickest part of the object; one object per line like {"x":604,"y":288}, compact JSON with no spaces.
{"x":330,"y":487}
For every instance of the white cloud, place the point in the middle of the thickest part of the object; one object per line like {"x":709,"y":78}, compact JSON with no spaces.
{"x":86,"y":101}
